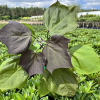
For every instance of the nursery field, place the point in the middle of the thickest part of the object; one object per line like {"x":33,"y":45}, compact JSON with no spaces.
{"x":89,"y":85}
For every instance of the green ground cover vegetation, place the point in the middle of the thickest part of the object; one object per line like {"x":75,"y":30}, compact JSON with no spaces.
{"x":89,"y":18}
{"x":89,"y":85}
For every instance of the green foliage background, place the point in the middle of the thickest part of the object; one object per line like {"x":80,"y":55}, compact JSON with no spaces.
{"x":89,"y":18}
{"x":89,"y":85}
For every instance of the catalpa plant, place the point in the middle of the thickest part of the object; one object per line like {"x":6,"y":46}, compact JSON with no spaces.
{"x":34,"y":52}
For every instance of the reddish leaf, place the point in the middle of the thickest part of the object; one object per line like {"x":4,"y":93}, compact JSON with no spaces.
{"x":56,"y":53}
{"x":16,"y":37}
{"x":60,"y":40}
{"x":33,"y":63}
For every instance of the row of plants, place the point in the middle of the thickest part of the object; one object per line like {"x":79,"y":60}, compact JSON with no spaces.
{"x":89,"y":18}
{"x":79,"y":36}
{"x":89,"y":85}
{"x":85,"y":37}
{"x":4,"y":17}
{"x":86,"y":18}
{"x":32,"y":51}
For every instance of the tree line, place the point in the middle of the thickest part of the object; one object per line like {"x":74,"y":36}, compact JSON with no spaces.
{"x":17,"y":12}
{"x":87,"y":10}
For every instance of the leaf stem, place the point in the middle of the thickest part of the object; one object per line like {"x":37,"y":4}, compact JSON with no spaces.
{"x":33,"y":36}
{"x":41,"y":46}
{"x":48,"y":34}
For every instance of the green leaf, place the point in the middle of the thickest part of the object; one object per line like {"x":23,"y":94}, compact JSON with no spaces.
{"x":1,"y":97}
{"x":35,"y":47}
{"x":30,"y":27}
{"x":62,"y":82}
{"x":84,"y":59}
{"x":16,"y":37}
{"x":60,"y":19}
{"x":12,"y":75}
{"x":18,"y":96}
{"x":42,"y":88}
{"x":56,"y":53}
{"x":33,"y":63}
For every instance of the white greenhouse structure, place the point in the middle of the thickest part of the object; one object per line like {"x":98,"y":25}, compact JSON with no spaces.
{"x":91,"y":12}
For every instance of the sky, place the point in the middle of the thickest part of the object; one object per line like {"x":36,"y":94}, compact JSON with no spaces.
{"x":85,"y":4}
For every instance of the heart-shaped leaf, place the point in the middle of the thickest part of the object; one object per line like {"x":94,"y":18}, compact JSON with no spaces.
{"x":60,"y":19}
{"x":84,"y":59}
{"x":33,"y":63}
{"x":66,"y":82}
{"x":16,"y":37}
{"x":12,"y":75}
{"x":42,"y":88}
{"x":62,"y":82}
{"x":56,"y":53}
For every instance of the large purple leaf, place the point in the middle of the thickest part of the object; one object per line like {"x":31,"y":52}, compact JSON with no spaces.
{"x":33,"y":63}
{"x":16,"y":37}
{"x":60,"y":40}
{"x":56,"y":53}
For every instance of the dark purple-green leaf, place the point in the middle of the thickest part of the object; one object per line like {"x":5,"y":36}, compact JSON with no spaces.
{"x":60,"y":40}
{"x":16,"y":37}
{"x":56,"y":53}
{"x":33,"y":63}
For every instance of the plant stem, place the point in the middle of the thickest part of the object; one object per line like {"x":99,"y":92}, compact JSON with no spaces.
{"x":33,"y":36}
{"x":41,"y":46}
{"x":48,"y":34}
